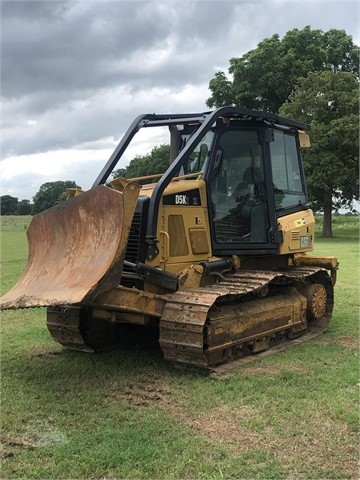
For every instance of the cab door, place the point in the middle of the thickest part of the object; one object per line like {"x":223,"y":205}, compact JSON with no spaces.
{"x":239,"y":189}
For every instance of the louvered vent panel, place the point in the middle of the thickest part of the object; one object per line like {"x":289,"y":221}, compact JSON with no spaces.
{"x":295,"y":235}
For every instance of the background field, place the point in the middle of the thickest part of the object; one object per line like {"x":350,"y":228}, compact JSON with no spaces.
{"x":128,"y":414}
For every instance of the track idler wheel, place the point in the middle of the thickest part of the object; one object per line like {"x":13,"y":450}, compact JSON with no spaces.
{"x":316,"y":297}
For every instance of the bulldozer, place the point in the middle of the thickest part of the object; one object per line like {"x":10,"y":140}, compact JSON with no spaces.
{"x":214,"y":252}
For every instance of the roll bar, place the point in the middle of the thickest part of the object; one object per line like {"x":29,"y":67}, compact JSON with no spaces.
{"x":205,"y":120}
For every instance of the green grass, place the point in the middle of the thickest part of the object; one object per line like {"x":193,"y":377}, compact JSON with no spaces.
{"x":128,"y":414}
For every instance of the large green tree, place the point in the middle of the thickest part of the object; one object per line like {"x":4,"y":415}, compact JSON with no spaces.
{"x":330,"y":102}
{"x":157,"y":161}
{"x":51,"y":193}
{"x":8,"y":205}
{"x":264,"y":78}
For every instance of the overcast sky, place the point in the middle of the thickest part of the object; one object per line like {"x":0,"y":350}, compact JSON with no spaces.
{"x":74,"y":74}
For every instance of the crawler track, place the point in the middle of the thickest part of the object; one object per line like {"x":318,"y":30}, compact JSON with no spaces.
{"x":244,"y":313}
{"x":75,"y":329}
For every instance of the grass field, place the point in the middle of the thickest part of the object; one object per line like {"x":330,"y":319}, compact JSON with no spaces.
{"x":128,"y":414}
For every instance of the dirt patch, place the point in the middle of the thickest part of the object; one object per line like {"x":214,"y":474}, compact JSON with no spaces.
{"x":27,"y":443}
{"x":6,"y":453}
{"x":266,"y":371}
{"x":225,"y":424}
{"x":39,"y":433}
{"x":303,"y":443}
{"x":145,"y":395}
{"x":142,"y":393}
{"x":45,"y":352}
{"x":349,"y":342}
{"x":328,"y":446}
{"x":343,"y":341}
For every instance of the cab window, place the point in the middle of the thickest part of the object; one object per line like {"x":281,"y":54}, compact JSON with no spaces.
{"x":289,"y":190}
{"x":198,"y":159}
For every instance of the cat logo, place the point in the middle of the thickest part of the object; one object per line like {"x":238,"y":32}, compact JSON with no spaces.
{"x":181,"y":200}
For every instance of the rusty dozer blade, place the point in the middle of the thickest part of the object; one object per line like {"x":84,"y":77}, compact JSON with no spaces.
{"x":76,"y":249}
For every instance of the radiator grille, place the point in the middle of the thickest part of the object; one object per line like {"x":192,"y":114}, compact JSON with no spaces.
{"x":135,"y":250}
{"x":132,"y":250}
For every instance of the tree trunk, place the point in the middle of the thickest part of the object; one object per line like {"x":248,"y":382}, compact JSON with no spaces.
{"x":327,"y":220}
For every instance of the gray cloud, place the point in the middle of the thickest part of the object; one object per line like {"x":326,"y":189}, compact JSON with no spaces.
{"x":90,"y":45}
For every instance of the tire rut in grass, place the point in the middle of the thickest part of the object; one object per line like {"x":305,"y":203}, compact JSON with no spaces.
{"x":219,"y":424}
{"x":299,"y":447}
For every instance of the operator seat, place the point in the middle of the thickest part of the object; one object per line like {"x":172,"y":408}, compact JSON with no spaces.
{"x":250,"y":194}
{"x":244,"y":187}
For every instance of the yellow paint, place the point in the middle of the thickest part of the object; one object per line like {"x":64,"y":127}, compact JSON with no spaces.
{"x":293,"y":228}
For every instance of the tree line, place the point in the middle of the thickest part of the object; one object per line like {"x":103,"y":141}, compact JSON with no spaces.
{"x":309,"y":75}
{"x":53,"y":193}
{"x":49,"y":194}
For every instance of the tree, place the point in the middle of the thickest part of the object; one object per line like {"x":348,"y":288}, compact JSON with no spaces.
{"x":51,"y":193}
{"x":8,"y":205}
{"x":157,"y":161}
{"x":264,"y":78}
{"x":222,"y":89}
{"x":24,"y":208}
{"x":330,"y":102}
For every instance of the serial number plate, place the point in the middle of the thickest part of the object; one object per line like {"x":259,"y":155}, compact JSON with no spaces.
{"x":306,"y":242}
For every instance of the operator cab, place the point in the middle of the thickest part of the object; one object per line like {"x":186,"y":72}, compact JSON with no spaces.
{"x":254,"y":177}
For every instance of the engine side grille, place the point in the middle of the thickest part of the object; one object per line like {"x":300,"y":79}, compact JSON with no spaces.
{"x":135,"y":251}
{"x":132,"y":250}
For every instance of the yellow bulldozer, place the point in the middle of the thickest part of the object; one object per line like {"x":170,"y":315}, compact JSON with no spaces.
{"x":213,"y":252}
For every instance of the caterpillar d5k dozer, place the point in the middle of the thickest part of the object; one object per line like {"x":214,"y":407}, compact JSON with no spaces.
{"x":214,"y":252}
